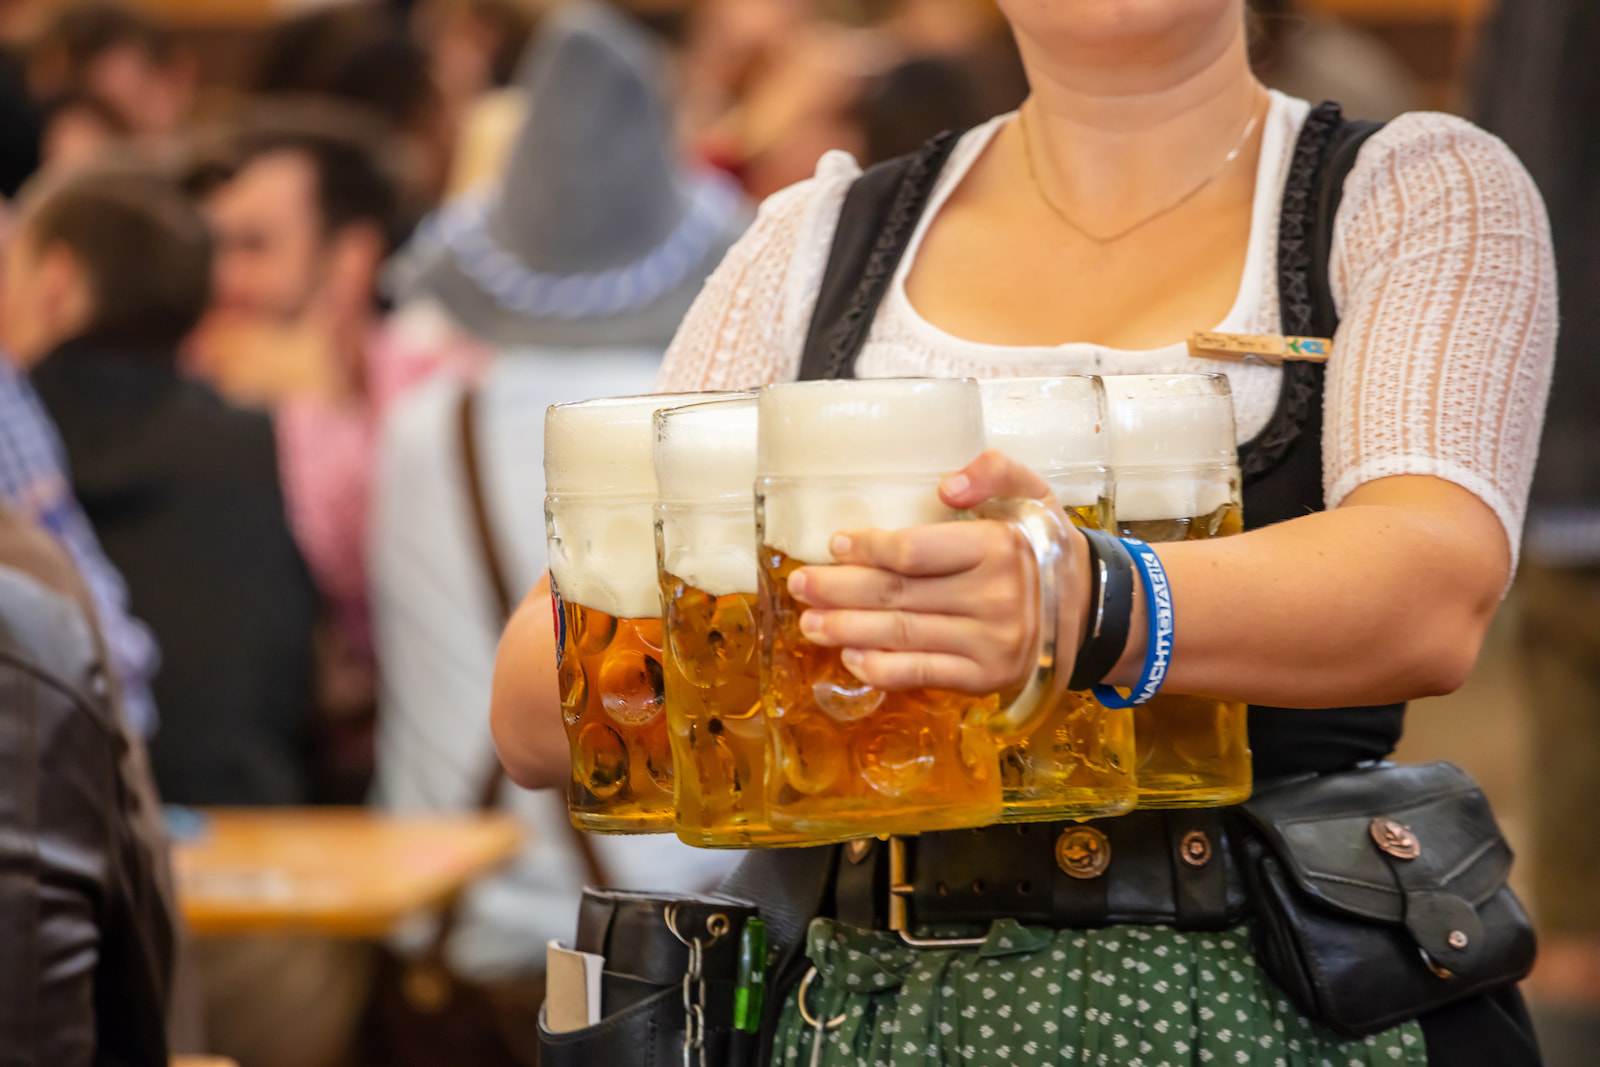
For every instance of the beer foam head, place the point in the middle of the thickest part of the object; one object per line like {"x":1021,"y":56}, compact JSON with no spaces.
{"x":599,"y":511}
{"x":1172,"y":444}
{"x":706,"y":452}
{"x":1057,"y":427}
{"x":840,"y":455}
{"x":705,"y":461}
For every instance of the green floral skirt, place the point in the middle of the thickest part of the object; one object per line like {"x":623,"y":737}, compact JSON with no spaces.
{"x":1129,"y":996}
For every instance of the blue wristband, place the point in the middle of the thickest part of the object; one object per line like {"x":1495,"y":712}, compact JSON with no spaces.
{"x":1158,"y":649}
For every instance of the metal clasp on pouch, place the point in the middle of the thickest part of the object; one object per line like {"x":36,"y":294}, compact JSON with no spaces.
{"x":900,"y":890}
{"x":1267,"y":349}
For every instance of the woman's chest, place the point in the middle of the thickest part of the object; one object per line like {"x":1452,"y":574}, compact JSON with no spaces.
{"x":1026,"y":278}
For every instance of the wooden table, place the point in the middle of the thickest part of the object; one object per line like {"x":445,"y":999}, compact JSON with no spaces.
{"x":340,"y":872}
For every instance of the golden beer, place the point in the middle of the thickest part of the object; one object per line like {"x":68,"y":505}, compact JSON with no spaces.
{"x":847,"y":759}
{"x":705,"y":459}
{"x":612,"y":697}
{"x":718,"y":734}
{"x":601,"y":492}
{"x":1177,"y":475}
{"x":1079,"y":763}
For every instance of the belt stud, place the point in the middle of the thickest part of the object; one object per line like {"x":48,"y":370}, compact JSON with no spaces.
{"x":1083,"y":852}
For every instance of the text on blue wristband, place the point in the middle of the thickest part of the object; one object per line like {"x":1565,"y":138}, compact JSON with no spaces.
{"x":1160,"y":654}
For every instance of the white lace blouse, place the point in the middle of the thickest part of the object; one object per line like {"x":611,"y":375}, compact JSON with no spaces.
{"x":1441,"y":271}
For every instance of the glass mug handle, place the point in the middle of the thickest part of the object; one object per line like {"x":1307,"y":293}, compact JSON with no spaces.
{"x":1046,"y":532}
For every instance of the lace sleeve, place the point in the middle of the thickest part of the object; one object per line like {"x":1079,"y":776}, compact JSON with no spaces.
{"x":747,"y":326}
{"x":1443,"y":273}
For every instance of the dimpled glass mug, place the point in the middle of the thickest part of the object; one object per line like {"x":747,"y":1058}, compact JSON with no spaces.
{"x":705,"y":461}
{"x":1079,"y":764}
{"x":845,"y":758}
{"x":600,"y":502}
{"x":1176,"y":467}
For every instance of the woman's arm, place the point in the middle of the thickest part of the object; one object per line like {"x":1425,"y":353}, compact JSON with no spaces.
{"x":1385,"y":599}
{"x":525,"y":708}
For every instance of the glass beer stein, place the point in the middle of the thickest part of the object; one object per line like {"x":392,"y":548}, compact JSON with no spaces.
{"x":705,"y":461}
{"x":1079,"y":762}
{"x":845,"y":758}
{"x":1177,"y":479}
{"x":599,"y":517}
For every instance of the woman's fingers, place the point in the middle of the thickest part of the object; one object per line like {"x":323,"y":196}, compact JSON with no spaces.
{"x":906,"y":670}
{"x":992,"y":476}
{"x":922,"y":551}
{"x":900,"y":631}
{"x":870,"y":589}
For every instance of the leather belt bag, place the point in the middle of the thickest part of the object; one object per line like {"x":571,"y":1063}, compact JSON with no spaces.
{"x":647,"y":981}
{"x":1380,"y":894}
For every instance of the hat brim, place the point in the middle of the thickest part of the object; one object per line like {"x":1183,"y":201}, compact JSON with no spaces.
{"x":431,"y":269}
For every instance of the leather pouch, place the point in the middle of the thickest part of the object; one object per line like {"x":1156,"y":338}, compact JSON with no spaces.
{"x":1381,"y":894}
{"x":645,"y":939}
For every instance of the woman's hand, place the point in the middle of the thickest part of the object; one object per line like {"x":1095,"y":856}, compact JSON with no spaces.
{"x":951,"y":606}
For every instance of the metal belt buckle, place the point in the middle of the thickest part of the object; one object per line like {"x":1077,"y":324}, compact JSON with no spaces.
{"x":900,"y":890}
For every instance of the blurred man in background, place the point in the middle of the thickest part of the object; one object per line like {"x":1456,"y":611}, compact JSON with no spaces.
{"x":303,"y":225}
{"x":35,"y":486}
{"x":302,"y":221}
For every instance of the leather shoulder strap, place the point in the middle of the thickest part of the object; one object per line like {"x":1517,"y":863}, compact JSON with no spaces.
{"x":482,"y":532}
{"x":876,"y":221}
{"x":488,"y":555}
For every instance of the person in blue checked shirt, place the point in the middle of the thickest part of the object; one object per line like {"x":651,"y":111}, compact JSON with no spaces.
{"x":34,"y":482}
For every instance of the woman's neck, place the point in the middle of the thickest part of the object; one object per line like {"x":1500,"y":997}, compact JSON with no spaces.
{"x":1118,"y":134}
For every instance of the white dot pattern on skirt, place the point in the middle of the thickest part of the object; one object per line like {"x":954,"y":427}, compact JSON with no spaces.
{"x":1127,"y":996}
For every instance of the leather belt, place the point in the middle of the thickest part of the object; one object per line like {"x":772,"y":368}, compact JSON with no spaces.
{"x":1174,"y":868}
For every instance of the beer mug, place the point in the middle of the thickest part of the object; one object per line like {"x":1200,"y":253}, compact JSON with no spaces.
{"x":599,"y":516}
{"x":1177,"y":479}
{"x":845,"y":758}
{"x":705,"y":461}
{"x":1079,"y":763}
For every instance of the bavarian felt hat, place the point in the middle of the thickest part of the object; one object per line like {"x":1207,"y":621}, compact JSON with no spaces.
{"x":600,"y":232}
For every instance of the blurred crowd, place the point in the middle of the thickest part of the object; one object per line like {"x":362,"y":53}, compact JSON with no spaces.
{"x":270,"y":338}
{"x":277,"y":352}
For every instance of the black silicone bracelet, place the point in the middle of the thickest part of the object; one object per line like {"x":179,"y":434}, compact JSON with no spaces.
{"x":1110,"y":610}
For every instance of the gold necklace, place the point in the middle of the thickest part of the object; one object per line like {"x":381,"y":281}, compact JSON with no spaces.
{"x":1033,"y":175}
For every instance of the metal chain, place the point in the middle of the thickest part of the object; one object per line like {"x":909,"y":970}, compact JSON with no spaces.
{"x":694,"y":985}
{"x":694,"y":1007}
